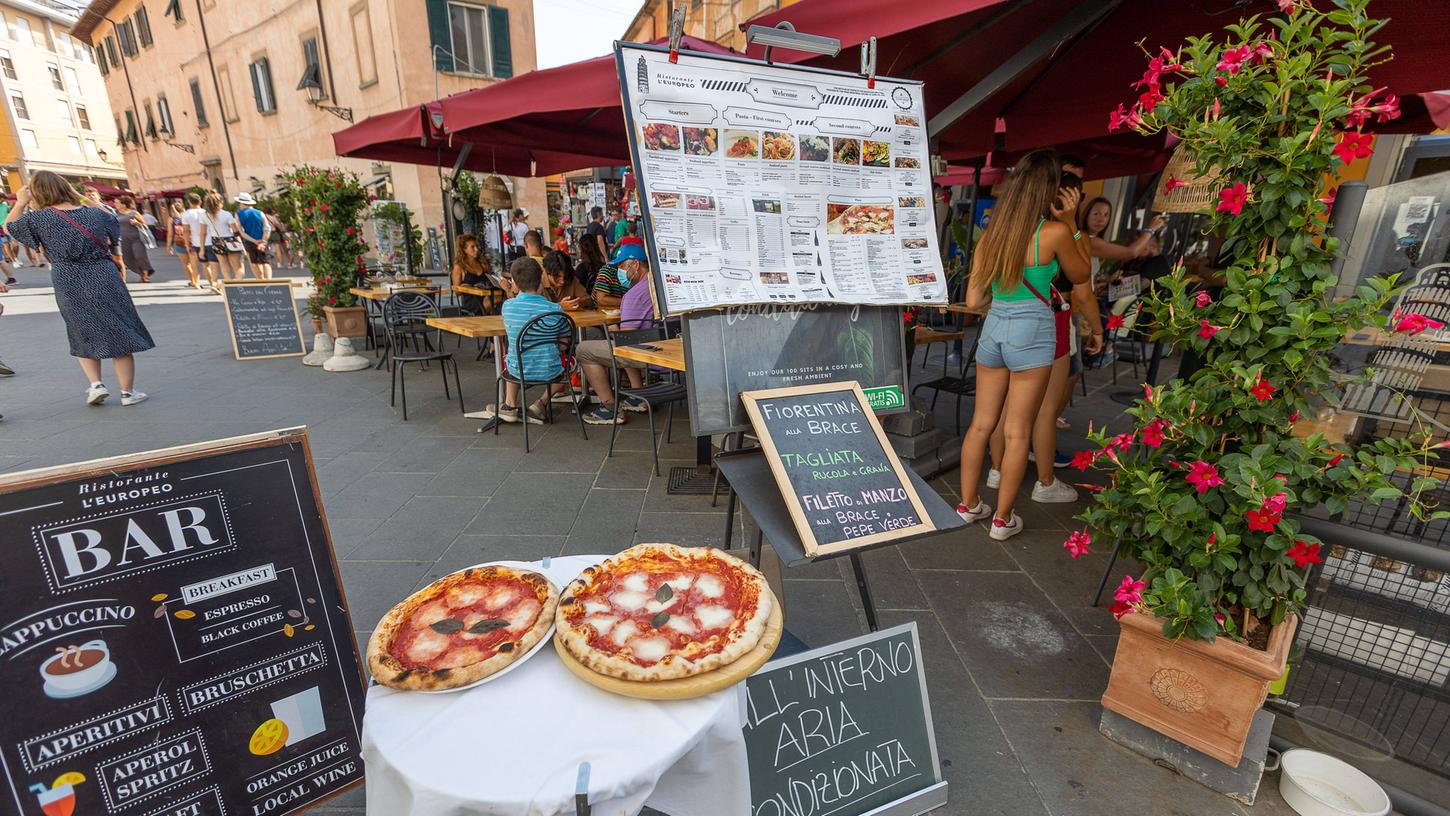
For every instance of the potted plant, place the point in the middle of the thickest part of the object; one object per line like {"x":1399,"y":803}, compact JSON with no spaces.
{"x":1200,"y":489}
{"x":329,"y":204}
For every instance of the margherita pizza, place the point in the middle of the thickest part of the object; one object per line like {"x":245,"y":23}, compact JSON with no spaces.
{"x":662,"y":612}
{"x":461,"y":628}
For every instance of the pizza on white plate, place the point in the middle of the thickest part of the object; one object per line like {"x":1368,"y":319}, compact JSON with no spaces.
{"x":662,"y":612}
{"x":461,"y":628}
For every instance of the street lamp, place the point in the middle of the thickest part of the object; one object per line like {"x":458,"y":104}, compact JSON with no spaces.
{"x":311,"y":82}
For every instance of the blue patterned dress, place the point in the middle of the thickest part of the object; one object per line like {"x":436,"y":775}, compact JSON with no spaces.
{"x":100,"y":319}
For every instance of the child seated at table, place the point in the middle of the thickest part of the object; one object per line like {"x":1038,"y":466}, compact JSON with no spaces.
{"x":540,"y":363}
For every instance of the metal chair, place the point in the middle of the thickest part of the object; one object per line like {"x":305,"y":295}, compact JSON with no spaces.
{"x":654,"y":395}
{"x":549,"y":330}
{"x":965,"y":383}
{"x":405,"y":316}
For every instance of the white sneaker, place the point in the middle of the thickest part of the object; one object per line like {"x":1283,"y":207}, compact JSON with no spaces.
{"x":994,"y":478}
{"x":1003,"y":530}
{"x":132,"y":397}
{"x":981,"y":511}
{"x":1059,"y":492}
{"x":97,"y":393}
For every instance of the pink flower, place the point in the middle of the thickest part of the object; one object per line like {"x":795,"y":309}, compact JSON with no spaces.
{"x":1305,"y":553}
{"x":1150,"y":98}
{"x":1262,"y":51}
{"x":1287,"y":6}
{"x":1353,"y":146}
{"x":1173,"y":183}
{"x":1130,"y":591}
{"x":1263,"y":390}
{"x":1330,"y":197}
{"x":1122,"y":441}
{"x":1232,"y":199}
{"x":1294,"y":417}
{"x":1153,"y":433}
{"x":1220,"y":617}
{"x":1361,"y":109}
{"x":1077,"y":543}
{"x":1082,"y":460}
{"x":1115,"y":321}
{"x":1234,"y":59}
{"x":1207,"y":330}
{"x":1412,"y":323}
{"x":1203,"y":476}
{"x":1121,"y":610}
{"x":1276,"y":503}
{"x":1162,"y":64}
{"x":1202,"y":299}
{"x":1261,"y":521}
{"x":1120,"y":118}
{"x":1148,"y":391}
{"x":1339,"y":457}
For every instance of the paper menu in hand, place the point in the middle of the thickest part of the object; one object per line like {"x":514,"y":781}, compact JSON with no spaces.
{"x":765,"y":183}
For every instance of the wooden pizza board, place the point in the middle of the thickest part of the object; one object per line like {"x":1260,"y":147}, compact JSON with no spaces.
{"x":686,"y":687}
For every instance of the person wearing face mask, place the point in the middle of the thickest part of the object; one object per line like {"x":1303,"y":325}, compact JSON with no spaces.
{"x":636,"y":311}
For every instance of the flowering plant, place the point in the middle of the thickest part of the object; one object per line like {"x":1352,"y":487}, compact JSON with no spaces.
{"x":328,"y":204}
{"x":1200,"y":488}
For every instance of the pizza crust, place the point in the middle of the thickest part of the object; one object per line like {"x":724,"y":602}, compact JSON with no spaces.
{"x":741,"y":638}
{"x":389,"y":671}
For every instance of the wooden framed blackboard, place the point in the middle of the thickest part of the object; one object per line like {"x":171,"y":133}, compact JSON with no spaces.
{"x":845,"y":729}
{"x":174,"y":637}
{"x":839,"y":475}
{"x":262,"y":319}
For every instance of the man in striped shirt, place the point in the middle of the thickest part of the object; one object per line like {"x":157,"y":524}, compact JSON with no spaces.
{"x":610,"y":286}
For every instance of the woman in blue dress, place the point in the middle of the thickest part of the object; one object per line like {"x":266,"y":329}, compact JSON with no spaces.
{"x":100,"y":319}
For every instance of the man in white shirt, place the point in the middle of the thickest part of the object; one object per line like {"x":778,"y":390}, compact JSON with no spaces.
{"x":195,"y":221}
{"x":518,"y":228}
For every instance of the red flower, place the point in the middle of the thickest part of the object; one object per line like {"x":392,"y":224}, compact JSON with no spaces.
{"x":1232,"y":199}
{"x":1130,"y":591}
{"x":1220,"y":617}
{"x":332,"y":300}
{"x":1082,"y":460}
{"x":352,"y":230}
{"x":1122,"y":441}
{"x":1234,"y":59}
{"x":1120,"y":118}
{"x":1353,"y":146}
{"x":1361,"y":110}
{"x":1202,"y":299}
{"x":1339,"y":457}
{"x":1121,"y":610}
{"x":1077,"y":543}
{"x":1263,"y":390}
{"x":1173,"y":183}
{"x":1262,"y":51}
{"x":361,"y":260}
{"x":1294,"y":417}
{"x":313,"y":202}
{"x":1276,"y":503}
{"x":1261,"y":521}
{"x":327,"y":279}
{"x":1212,"y":540}
{"x":1412,"y":323}
{"x":1330,"y":197}
{"x":1221,"y":80}
{"x":1207,"y":330}
{"x":1287,"y":6}
{"x":1153,"y":433}
{"x":1150,"y":98}
{"x":1115,"y":321}
{"x":323,"y":208}
{"x":1305,"y":553}
{"x":1203,"y":476}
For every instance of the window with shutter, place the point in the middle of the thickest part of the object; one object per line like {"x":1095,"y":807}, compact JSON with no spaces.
{"x":499,"y":47}
{"x":111,"y":51}
{"x":83,"y":116}
{"x":173,"y":9}
{"x":312,"y":69}
{"x":17,"y":102}
{"x":196,"y":103}
{"x":131,"y":135}
{"x":150,"y":120}
{"x":438,"y":34}
{"x":143,"y":26}
{"x":261,"y":72}
{"x":468,"y":27}
{"x":127,"y":35}
{"x":163,"y":112}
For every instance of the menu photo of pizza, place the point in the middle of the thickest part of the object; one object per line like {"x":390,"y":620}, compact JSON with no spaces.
{"x":909,"y":121}
{"x":660,"y":136}
{"x":742,"y":144}
{"x":860,"y":219}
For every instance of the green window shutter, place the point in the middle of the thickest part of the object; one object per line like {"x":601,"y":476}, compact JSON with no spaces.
{"x":256,"y":88}
{"x":498,"y":35}
{"x":438,"y":34}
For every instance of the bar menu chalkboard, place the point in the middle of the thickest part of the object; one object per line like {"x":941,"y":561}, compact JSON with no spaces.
{"x":262,"y":317}
{"x":173,"y":636}
{"x":840,"y":478}
{"x":845,"y":730}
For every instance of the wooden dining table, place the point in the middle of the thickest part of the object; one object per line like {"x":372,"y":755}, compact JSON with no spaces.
{"x":663,"y":353}
{"x":670,"y":354}
{"x":379,"y":293}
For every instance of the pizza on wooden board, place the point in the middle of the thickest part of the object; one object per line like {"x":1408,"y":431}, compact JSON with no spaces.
{"x":461,"y":628}
{"x":662,"y":612}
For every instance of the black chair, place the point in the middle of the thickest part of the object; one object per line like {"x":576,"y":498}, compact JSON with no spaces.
{"x":405,"y":316}
{"x":557,"y":332}
{"x":666,"y":392}
{"x":964,"y":384}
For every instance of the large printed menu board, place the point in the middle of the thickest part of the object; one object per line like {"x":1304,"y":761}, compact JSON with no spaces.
{"x":173,"y":637}
{"x":764,"y":183}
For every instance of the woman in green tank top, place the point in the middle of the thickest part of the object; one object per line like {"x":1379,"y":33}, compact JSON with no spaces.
{"x":1031,"y":239}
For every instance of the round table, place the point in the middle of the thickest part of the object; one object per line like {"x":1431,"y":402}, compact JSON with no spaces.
{"x":514,"y":745}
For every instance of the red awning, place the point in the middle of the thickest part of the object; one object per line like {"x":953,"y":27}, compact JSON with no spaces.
{"x":106,"y":190}
{"x":1066,"y":95}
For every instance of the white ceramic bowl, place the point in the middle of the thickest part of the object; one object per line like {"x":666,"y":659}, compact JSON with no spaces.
{"x":1316,"y":784}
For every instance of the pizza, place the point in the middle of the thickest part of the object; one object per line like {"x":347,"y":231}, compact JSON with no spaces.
{"x":662,"y":612}
{"x":461,"y":628}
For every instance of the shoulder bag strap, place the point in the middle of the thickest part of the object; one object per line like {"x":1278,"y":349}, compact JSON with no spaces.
{"x":87,"y":232}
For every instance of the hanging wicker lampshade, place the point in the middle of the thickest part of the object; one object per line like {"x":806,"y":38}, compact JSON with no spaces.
{"x":1195,"y":193}
{"x":493,"y":194}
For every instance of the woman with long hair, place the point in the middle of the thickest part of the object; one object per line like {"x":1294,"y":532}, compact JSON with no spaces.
{"x":470,"y":267}
{"x":179,"y":245}
{"x":83,"y":244}
{"x":590,"y":260}
{"x":1031,"y":238}
{"x":561,"y":286}
{"x":133,"y":246}
{"x":220,"y":245}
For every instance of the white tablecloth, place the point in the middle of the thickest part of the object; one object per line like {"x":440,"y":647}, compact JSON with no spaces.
{"x":513,"y":746}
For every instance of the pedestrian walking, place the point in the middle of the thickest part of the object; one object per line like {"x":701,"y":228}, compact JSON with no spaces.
{"x":195,"y":219}
{"x":255,"y":232}
{"x":518,"y":228}
{"x":220,"y":245}
{"x":133,"y":246}
{"x":8,"y":247}
{"x":279,"y":241}
{"x":178,"y":243}
{"x":100,"y":320}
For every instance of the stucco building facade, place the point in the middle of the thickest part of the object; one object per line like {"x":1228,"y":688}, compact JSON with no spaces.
{"x":716,"y":20}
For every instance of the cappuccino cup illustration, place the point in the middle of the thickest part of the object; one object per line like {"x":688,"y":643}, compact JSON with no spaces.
{"x":76,"y":670}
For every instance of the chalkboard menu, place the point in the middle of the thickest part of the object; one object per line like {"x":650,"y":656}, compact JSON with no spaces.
{"x":175,"y":640}
{"x":749,"y":348}
{"x":262,"y":317}
{"x":841,"y":480}
{"x":845,"y":730}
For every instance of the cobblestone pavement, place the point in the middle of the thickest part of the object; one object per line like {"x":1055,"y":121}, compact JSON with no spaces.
{"x":1015,"y":655}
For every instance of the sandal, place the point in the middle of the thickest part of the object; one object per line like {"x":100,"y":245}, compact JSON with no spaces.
{"x":1063,"y":424}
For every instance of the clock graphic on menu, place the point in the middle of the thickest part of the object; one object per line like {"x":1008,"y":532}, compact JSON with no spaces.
{"x":902,"y":98}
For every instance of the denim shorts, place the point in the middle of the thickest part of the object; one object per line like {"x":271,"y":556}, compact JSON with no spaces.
{"x":1017,"y":335}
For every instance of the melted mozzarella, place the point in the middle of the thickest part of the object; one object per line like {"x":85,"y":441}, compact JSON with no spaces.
{"x":655,"y":606}
{"x":681,"y":624}
{"x":629,"y":601}
{"x":650,"y":649}
{"x":595,"y":607}
{"x":466,"y":656}
{"x":466,"y":595}
{"x":601,"y":623}
{"x":636,"y":582}
{"x":502,"y":597}
{"x":711,"y":617}
{"x":623,"y":632}
{"x":710,"y":586}
{"x":430,"y":613}
{"x":427,"y":645}
{"x":680,"y":583}
{"x":523,"y":615}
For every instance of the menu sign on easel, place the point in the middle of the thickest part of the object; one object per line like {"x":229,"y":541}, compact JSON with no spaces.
{"x":173,"y":636}
{"x":262,"y":317}
{"x":841,"y":480}
{"x":845,"y":729}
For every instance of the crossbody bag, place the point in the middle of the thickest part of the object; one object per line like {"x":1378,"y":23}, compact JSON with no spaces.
{"x":229,"y":245}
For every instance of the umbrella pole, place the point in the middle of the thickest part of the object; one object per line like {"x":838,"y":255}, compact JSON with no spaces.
{"x":961,"y":320}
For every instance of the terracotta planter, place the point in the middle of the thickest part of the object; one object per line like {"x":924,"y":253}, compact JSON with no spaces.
{"x":346,"y":321}
{"x":316,"y":325}
{"x":1203,"y":695}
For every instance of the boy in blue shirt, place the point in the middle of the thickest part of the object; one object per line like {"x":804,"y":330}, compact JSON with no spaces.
{"x":541,"y":363}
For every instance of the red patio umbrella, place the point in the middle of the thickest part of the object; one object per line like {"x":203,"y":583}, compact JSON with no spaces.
{"x":106,"y":190}
{"x":1085,"y":55}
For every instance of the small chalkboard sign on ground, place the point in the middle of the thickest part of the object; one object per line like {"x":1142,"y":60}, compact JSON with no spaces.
{"x":262,"y":318}
{"x":840,"y":478}
{"x":845,"y":730}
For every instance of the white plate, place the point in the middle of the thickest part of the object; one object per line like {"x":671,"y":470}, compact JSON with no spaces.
{"x":543,"y":641}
